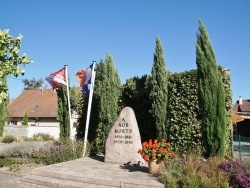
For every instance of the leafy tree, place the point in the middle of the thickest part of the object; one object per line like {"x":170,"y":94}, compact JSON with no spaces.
{"x":63,"y":112}
{"x":210,"y":96}
{"x":3,"y":111}
{"x":159,"y":91}
{"x":10,"y":59}
{"x":32,"y":84}
{"x":25,"y":119}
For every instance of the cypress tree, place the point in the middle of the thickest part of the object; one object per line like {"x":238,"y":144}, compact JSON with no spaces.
{"x":107,"y":87}
{"x":25,"y":119}
{"x":159,"y":92}
{"x":94,"y":115}
{"x":63,"y":112}
{"x":210,"y":95}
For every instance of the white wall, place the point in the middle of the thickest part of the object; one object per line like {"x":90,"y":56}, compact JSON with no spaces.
{"x":29,"y":131}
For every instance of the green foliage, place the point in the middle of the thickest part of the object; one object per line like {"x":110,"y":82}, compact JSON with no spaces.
{"x":159,"y":91}
{"x":24,"y":149}
{"x":184,"y":119}
{"x":63,"y":112}
{"x":25,"y":119}
{"x":94,"y":119}
{"x":32,"y":84}
{"x":7,"y":162}
{"x":225,"y":76}
{"x":183,"y":112}
{"x":14,"y":163}
{"x":210,"y":95}
{"x":64,"y":150}
{"x":108,"y":90}
{"x":8,"y":139}
{"x":42,"y":137}
{"x":93,"y":123}
{"x":3,"y":109}
{"x":135,"y":94}
{"x":191,"y":171}
{"x":104,"y":105}
{"x":76,"y":100}
{"x":10,"y":59}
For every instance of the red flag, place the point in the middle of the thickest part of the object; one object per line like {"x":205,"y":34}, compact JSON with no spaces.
{"x":57,"y":79}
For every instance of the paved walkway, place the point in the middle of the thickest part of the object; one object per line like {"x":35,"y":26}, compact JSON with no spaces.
{"x":84,"y":172}
{"x":94,"y":170}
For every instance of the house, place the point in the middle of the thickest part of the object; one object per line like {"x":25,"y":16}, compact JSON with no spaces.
{"x":41,"y":109}
{"x":242,"y":112}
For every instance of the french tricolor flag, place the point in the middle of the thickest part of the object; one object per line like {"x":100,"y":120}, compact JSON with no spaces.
{"x":84,"y":79}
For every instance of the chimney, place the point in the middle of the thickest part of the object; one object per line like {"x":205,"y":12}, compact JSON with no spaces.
{"x":240,"y":101}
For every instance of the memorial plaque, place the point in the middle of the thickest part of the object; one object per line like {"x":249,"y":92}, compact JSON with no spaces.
{"x":124,"y":140}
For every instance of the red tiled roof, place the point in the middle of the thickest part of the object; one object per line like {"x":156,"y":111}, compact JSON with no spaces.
{"x":37,"y":103}
{"x":245,"y":107}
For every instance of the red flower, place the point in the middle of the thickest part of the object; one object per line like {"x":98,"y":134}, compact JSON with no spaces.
{"x":156,"y":150}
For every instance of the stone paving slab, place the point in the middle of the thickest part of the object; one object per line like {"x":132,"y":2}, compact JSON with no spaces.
{"x":12,"y":181}
{"x":95,"y":171}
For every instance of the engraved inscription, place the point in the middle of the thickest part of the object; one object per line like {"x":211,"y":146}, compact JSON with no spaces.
{"x":123,"y":134}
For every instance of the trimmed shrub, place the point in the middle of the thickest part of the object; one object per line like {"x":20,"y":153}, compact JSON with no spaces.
{"x":8,"y":139}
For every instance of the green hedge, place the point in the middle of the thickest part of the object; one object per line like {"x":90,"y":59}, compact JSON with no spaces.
{"x":183,"y":118}
{"x":183,"y":112}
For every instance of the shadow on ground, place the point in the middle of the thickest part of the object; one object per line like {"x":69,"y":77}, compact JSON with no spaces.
{"x":130,"y":168}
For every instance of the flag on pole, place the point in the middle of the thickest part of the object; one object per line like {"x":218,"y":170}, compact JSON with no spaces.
{"x":57,"y":79}
{"x":84,"y":78}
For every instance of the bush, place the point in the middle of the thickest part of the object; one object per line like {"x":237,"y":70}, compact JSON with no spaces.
{"x":8,"y":139}
{"x":6,"y":162}
{"x":63,"y":150}
{"x":23,"y":149}
{"x":237,"y":172}
{"x":193,"y":171}
{"x":42,"y":137}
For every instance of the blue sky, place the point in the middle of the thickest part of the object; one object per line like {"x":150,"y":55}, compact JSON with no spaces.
{"x":76,"y":32}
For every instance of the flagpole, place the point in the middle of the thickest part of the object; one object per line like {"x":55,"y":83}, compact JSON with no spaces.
{"x":70,"y":119}
{"x":89,"y":108}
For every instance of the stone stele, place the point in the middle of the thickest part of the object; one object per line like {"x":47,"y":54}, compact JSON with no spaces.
{"x":124,"y":140}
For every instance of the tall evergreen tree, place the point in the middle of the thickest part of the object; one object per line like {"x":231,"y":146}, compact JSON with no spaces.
{"x":25,"y":119}
{"x":94,"y":116}
{"x":63,"y":112}
{"x":107,"y":87}
{"x":159,"y":92}
{"x":3,"y":109}
{"x":210,"y":95}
